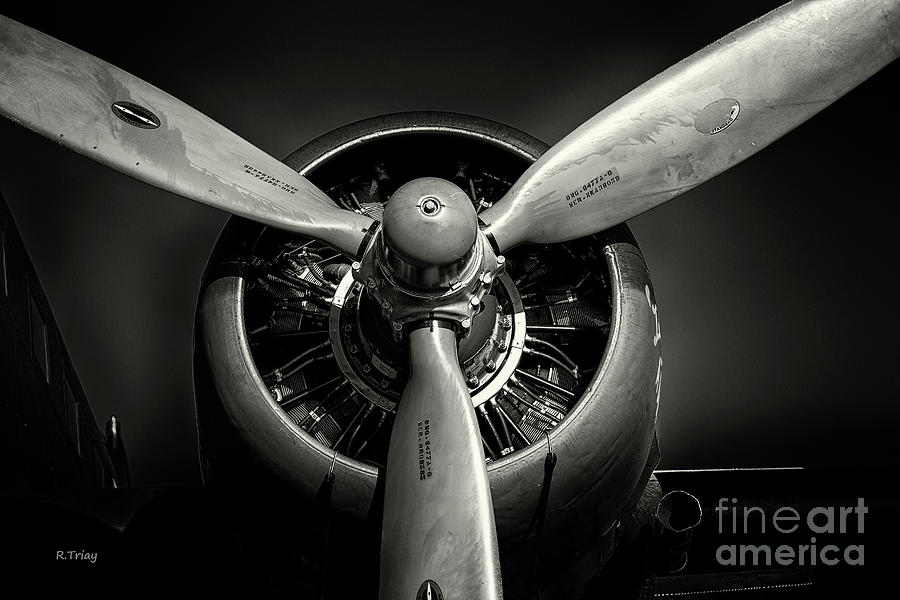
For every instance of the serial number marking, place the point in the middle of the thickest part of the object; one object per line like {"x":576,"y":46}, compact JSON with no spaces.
{"x":423,"y":430}
{"x":595,"y":185}
{"x":265,"y":178}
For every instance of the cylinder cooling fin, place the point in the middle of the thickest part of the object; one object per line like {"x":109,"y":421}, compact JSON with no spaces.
{"x":293,"y":357}
{"x":337,"y":370}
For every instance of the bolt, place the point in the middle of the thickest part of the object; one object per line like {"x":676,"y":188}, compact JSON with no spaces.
{"x":385,"y":383}
{"x":398,"y":326}
{"x":487,"y":278}
{"x":466,"y":323}
{"x":430,"y":206}
{"x":348,"y":328}
{"x":366,"y":368}
{"x":473,"y":381}
{"x":371,"y":283}
{"x":356,"y":266}
{"x":501,"y":261}
{"x":491,"y":366}
{"x":506,"y":323}
{"x":475,"y":301}
{"x":386,"y":305}
{"x":501,"y":346}
{"x":354,"y":349}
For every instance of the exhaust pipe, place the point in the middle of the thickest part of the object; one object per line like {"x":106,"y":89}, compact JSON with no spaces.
{"x":677,"y":514}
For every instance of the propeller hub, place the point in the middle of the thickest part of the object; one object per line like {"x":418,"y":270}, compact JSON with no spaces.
{"x":430,"y":229}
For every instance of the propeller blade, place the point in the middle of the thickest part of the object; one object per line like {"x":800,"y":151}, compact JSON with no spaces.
{"x":698,"y":118}
{"x":438,"y":529}
{"x":110,"y":116}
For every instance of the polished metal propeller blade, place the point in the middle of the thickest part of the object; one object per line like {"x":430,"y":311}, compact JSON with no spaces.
{"x":699,"y":118}
{"x":106,"y":114}
{"x":438,"y":531}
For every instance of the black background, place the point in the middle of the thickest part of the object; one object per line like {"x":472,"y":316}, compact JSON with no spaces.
{"x":775,"y":281}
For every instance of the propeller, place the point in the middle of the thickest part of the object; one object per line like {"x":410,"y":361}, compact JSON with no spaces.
{"x":438,"y":526}
{"x":698,"y":118}
{"x":116,"y":119}
{"x":678,"y":130}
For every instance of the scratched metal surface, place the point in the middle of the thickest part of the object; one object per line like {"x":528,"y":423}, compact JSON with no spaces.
{"x":698,"y":118}
{"x":424,"y":536}
{"x":772,"y":280}
{"x":68,"y":96}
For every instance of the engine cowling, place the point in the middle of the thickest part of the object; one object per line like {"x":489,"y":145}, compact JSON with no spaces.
{"x":295,"y":375}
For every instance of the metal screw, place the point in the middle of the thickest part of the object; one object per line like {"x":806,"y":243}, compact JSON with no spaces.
{"x":473,"y":381}
{"x":354,"y":349}
{"x":366,"y":368}
{"x":397,"y":332}
{"x":491,"y":366}
{"x":430,"y":206}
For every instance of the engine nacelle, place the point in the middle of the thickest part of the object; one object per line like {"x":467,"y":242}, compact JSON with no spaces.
{"x":297,"y":376}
